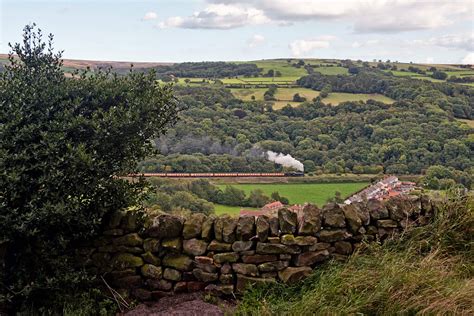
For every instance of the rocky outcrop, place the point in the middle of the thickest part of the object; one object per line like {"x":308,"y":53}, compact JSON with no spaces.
{"x":225,"y":255}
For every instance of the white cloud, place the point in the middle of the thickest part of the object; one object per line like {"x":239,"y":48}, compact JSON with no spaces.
{"x":256,"y":40}
{"x":303,"y":48}
{"x":150,"y":16}
{"x":461,"y":41}
{"x":469,"y":59}
{"x":379,"y":16}
{"x":219,"y":16}
{"x":369,"y":42}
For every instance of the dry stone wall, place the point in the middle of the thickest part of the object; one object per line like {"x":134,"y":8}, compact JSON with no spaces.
{"x":226,"y":254}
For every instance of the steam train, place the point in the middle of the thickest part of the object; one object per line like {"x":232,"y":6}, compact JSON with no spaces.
{"x":220,"y":174}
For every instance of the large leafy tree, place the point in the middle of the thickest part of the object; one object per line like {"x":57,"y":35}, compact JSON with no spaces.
{"x":65,"y":142}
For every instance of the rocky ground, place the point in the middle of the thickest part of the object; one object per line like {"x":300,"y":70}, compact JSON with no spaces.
{"x":183,"y":304}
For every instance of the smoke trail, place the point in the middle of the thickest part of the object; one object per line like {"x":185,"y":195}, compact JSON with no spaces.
{"x":285,"y":160}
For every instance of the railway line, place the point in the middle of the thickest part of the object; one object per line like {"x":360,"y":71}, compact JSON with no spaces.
{"x":217,"y":174}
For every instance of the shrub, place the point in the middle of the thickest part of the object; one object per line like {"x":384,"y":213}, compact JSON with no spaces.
{"x":65,"y":144}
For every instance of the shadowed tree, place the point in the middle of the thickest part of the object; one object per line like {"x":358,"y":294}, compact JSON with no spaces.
{"x":64,"y":144}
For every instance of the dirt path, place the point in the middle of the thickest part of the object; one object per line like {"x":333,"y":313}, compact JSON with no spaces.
{"x":188,"y":304}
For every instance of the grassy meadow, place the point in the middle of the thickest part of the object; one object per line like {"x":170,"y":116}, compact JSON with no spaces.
{"x":220,"y":209}
{"x":339,"y":97}
{"x":297,"y":193}
{"x":286,"y":69}
{"x":469,"y":123}
{"x":300,"y":193}
{"x":284,"y":96}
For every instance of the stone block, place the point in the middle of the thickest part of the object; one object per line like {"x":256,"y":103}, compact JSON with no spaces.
{"x":125,"y":260}
{"x":152,"y":272}
{"x":166,"y":226}
{"x":333,"y":235}
{"x":273,"y":266}
{"x":310,"y":258}
{"x":287,"y":220}
{"x":172,"y":274}
{"x":274,"y":223}
{"x":204,"y":276}
{"x":226,"y":257}
{"x":239,"y":246}
{"x":262,"y":228}
{"x":377,"y":209}
{"x":310,"y":221}
{"x":245,"y":269}
{"x":352,"y":218}
{"x":292,"y":274}
{"x":259,"y":258}
{"x":178,"y":262}
{"x":192,"y":227}
{"x":195,"y":247}
{"x":245,"y":228}
{"x":266,"y":248}
{"x":333,"y":216}
{"x":216,"y":245}
{"x":291,"y":240}
{"x":130,"y":240}
{"x":207,"y":232}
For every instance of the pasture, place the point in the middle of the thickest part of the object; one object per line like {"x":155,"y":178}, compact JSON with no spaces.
{"x":332,"y":70}
{"x":284,"y":96}
{"x":286,"y":69}
{"x":300,"y":193}
{"x":469,"y":123}
{"x":338,"y":97}
{"x":220,"y":209}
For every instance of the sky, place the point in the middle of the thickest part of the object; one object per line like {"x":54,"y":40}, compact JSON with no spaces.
{"x":423,"y":31}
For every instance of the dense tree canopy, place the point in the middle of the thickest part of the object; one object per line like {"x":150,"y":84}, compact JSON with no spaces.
{"x":405,"y":137}
{"x":63,"y":144}
{"x":207,"y":70}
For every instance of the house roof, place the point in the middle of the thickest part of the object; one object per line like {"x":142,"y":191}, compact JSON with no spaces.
{"x":273,"y":205}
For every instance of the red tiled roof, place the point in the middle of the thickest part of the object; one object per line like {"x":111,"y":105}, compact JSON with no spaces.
{"x":273,"y":205}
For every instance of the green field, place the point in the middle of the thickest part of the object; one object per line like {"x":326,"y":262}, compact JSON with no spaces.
{"x":461,"y":73}
{"x":220,"y":209}
{"x":286,"y":69}
{"x":339,"y":97}
{"x":300,"y":193}
{"x":332,"y":70}
{"x":284,"y":96}
{"x":469,"y":123}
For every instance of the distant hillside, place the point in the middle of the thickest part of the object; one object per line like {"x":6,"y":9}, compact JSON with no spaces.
{"x":96,"y":64}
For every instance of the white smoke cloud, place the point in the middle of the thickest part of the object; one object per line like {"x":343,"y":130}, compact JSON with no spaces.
{"x":285,"y":160}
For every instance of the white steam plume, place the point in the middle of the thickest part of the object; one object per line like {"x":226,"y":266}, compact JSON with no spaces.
{"x":285,"y":160}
